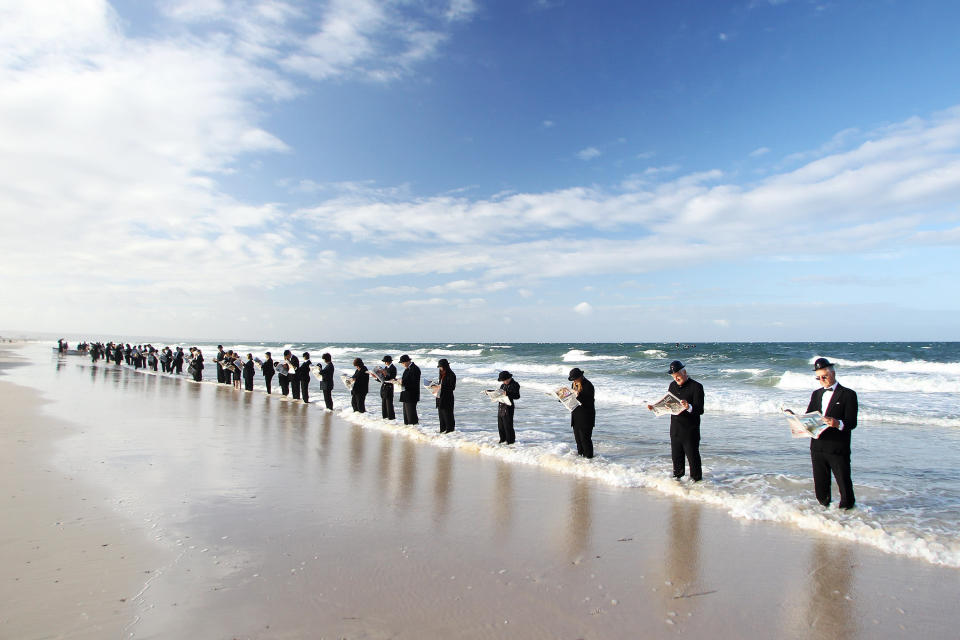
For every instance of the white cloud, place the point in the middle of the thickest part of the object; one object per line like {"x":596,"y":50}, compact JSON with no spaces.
{"x":547,"y":124}
{"x":589,"y":153}
{"x":761,"y":151}
{"x":583,"y":308}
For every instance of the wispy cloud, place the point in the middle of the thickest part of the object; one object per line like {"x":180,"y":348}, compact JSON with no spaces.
{"x":589,"y":153}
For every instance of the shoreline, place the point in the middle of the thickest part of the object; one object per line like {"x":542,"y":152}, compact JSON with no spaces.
{"x":808,"y":517}
{"x":271,"y":520}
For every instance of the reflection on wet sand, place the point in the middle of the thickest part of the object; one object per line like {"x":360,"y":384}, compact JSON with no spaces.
{"x":406,"y":480}
{"x":579,"y":521}
{"x":830,"y":612}
{"x":503,"y":500}
{"x":441,"y":486}
{"x":682,"y":568}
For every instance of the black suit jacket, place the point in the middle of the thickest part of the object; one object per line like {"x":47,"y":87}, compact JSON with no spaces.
{"x":447,"y":384}
{"x":327,"y":375}
{"x":411,"y":384}
{"x":843,"y":407}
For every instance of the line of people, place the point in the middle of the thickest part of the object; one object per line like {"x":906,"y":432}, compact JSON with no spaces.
{"x":830,"y":453}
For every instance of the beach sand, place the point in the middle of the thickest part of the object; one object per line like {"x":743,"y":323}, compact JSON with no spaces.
{"x":142,"y":506}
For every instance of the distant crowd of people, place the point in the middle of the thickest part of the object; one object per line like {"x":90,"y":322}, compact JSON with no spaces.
{"x":830,"y":450}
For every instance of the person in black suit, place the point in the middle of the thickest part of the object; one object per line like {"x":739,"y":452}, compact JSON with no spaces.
{"x":303,"y":375}
{"x":284,"y":374}
{"x":361,"y":385}
{"x":177,"y":360}
{"x":410,"y":395}
{"x":584,"y":417}
{"x":386,"y":389}
{"x":221,"y":354}
{"x":685,"y":426}
{"x":505,"y":411}
{"x":326,"y":374}
{"x":197,"y":366}
{"x":293,"y":377}
{"x":249,"y":369}
{"x":445,"y":399}
{"x":830,"y":453}
{"x":268,"y":369}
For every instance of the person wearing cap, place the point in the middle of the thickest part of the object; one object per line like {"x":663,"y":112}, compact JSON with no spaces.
{"x":584,"y":417}
{"x":830,"y":453}
{"x":410,"y":395}
{"x":221,"y":354}
{"x":505,"y":411}
{"x":685,"y":426}
{"x":303,"y":377}
{"x":386,"y":388}
{"x":326,"y":377}
{"x":268,"y":369}
{"x":447,"y":383}
{"x":361,"y":385}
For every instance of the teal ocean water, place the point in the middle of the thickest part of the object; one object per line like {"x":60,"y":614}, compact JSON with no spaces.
{"x":906,"y":448}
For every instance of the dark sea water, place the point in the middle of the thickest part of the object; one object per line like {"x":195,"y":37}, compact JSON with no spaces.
{"x":906,"y":448}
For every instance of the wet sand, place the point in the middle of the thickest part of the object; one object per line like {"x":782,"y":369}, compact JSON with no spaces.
{"x":258,"y":517}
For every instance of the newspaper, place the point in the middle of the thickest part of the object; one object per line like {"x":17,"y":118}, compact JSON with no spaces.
{"x":380,"y":374}
{"x":566,"y":397}
{"x":347,"y":381}
{"x":432,"y":385}
{"x":283,"y":368}
{"x":808,"y":425}
{"x":668,"y":404}
{"x":498,"y":395}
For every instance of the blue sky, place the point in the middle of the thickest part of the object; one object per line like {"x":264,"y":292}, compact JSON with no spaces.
{"x":462,"y":170}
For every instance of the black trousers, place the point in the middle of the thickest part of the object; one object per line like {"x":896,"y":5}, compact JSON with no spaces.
{"x":582,"y":422}
{"x":284,"y":384}
{"x":447,"y":421}
{"x":294,"y":387}
{"x":505,"y":423}
{"x":198,"y":375}
{"x":328,"y":398}
{"x":268,"y":380}
{"x":839,"y":465}
{"x":220,"y":373}
{"x":685,"y":445}
{"x":248,"y":383}
{"x":410,"y":413}
{"x":305,"y":389}
{"x":386,"y":402}
{"x":358,"y":401}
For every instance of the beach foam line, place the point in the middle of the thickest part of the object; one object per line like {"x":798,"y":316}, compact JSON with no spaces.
{"x":902,"y":366}
{"x":856,"y":526}
{"x":578,"y":355}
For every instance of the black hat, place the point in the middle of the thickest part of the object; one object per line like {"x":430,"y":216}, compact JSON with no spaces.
{"x":387,"y":359}
{"x":575,"y":374}
{"x":504,"y":375}
{"x":404,"y":358}
{"x":442,"y":362}
{"x":675,"y":366}
{"x":822,"y":363}
{"x":268,"y":353}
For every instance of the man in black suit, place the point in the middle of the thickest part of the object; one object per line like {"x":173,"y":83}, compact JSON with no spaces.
{"x":326,"y":374}
{"x":410,"y":395}
{"x":221,"y":354}
{"x":303,"y":376}
{"x":583,"y":418}
{"x":685,"y":426}
{"x":386,"y":389}
{"x":830,"y":453}
{"x":268,"y":370}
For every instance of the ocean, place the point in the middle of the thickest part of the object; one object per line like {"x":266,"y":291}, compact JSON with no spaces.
{"x":906,"y":448}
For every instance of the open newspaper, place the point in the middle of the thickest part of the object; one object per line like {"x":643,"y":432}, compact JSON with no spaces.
{"x":432,"y":385}
{"x":668,"y":404}
{"x":808,"y":425}
{"x":259,"y":363}
{"x":347,"y":381}
{"x":567,"y":398}
{"x":498,"y":395}
{"x":379,"y":373}
{"x":283,"y":369}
